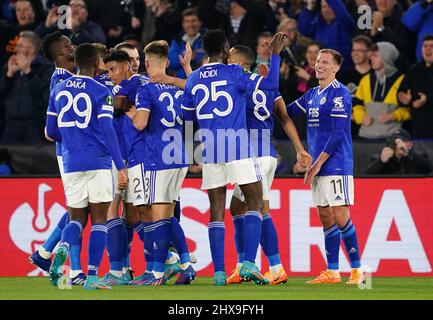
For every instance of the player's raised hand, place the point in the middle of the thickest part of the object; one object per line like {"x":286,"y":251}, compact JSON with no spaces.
{"x":277,"y":43}
{"x":122,"y":103}
{"x":263,"y":70}
{"x":185,"y":60}
{"x":311,"y":173}
{"x":304,"y":158}
{"x":122,"y":179}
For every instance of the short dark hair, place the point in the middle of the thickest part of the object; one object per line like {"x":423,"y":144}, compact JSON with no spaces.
{"x":158,"y":48}
{"x":428,"y":37}
{"x":247,"y":53}
{"x":125,"y":45}
{"x":214,"y":42}
{"x":48,"y":43}
{"x":366,"y":41}
{"x":117,"y":55}
{"x":190,"y":12}
{"x":335,"y":55}
{"x":86,"y":56}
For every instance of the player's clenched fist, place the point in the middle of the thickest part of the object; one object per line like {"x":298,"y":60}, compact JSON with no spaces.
{"x":123,"y":179}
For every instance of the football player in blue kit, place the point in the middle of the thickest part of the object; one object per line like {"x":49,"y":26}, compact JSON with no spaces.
{"x":80,"y":115}
{"x":328,"y":108}
{"x":215,"y":96}
{"x":262,"y":106}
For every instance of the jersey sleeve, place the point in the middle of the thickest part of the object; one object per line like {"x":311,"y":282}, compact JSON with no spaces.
{"x":299,"y":106}
{"x":187,"y":104}
{"x":245,"y":80}
{"x":104,"y":105}
{"x":51,"y":121}
{"x":143,"y":99}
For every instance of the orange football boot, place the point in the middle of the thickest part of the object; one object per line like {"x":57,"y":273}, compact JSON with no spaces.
{"x":277,"y":278}
{"x":234,"y":278}
{"x":326,"y":277}
{"x":356,"y":277}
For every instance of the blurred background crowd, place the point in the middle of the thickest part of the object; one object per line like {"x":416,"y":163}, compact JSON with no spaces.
{"x":387,"y":47}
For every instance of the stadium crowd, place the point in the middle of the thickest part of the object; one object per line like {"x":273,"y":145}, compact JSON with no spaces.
{"x":388,"y":58}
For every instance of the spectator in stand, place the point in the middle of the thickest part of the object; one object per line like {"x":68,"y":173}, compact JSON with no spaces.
{"x":245,"y":21}
{"x":399,"y":158}
{"x":416,"y":92}
{"x":263,"y":52}
{"x":292,"y":55}
{"x":26,"y":16}
{"x":333,"y":27}
{"x":361,"y":46}
{"x":419,"y":18}
{"x":387,"y":27}
{"x":155,"y":20}
{"x":24,"y":89}
{"x":375,"y":106}
{"x":191,"y":34}
{"x":212,"y":13}
{"x":111,"y":16}
{"x":305,"y":72}
{"x":277,"y":11}
{"x":82,"y":30}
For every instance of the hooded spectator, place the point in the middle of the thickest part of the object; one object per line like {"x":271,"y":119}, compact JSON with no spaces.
{"x":376,"y":107}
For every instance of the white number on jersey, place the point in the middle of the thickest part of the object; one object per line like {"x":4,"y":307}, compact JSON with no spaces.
{"x":214,"y":94}
{"x":73,"y":102}
{"x":260,"y":105}
{"x":166,"y":95}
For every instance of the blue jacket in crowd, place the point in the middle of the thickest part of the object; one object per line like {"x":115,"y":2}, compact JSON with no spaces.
{"x":177,"y":47}
{"x":335,"y":35}
{"x":419,"y":18}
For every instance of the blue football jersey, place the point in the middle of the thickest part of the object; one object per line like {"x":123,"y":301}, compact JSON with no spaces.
{"x":322,"y":108}
{"x":215,"y":96}
{"x":57,"y":77}
{"x":123,"y":126}
{"x":105,"y":80}
{"x":78,"y":103}
{"x":163,"y":136}
{"x":260,"y":121}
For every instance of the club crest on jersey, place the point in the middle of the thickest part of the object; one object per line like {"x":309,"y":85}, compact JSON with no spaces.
{"x":109,"y":100}
{"x":322,"y":101}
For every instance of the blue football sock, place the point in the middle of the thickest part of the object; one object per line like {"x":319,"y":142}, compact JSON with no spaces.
{"x":148,"y":229}
{"x":161,"y":236}
{"x":269,"y":241}
{"x":177,"y":211}
{"x":56,"y":235}
{"x":75,"y":253}
{"x":115,"y":243}
{"x":216,"y":231}
{"x":179,"y":240}
{"x":253,"y":227}
{"x":239,"y":223}
{"x":97,"y":243}
{"x":350,"y":239}
{"x":332,"y":246}
{"x":138,"y":228}
{"x":130,"y":236}
{"x":71,"y":233}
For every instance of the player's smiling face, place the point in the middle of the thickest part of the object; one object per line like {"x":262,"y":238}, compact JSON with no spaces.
{"x":326,"y":66}
{"x":234,"y":57}
{"x":117,"y":71}
{"x":67,"y":48}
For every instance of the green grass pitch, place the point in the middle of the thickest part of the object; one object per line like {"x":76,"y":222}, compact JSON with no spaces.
{"x":202,"y":289}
